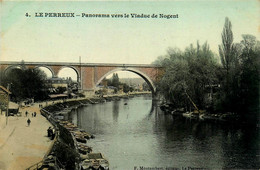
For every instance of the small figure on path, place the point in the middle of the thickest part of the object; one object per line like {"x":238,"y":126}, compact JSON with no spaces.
{"x":28,"y":121}
{"x":26,"y":113}
{"x":34,"y":114}
{"x":53,"y":134}
{"x":49,"y":131}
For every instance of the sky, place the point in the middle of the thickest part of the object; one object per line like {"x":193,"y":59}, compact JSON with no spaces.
{"x":118,"y":40}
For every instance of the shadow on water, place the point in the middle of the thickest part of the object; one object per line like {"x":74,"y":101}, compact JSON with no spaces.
{"x":233,"y":145}
{"x":115,"y":110}
{"x":139,"y":133}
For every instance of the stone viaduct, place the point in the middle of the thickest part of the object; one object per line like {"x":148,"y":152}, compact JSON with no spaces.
{"x":89,"y":75}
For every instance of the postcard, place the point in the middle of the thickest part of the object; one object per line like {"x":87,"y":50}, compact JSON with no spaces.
{"x":190,"y":56}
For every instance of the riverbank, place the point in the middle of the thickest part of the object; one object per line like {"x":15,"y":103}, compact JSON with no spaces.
{"x":201,"y":115}
{"x":69,"y":135}
{"x":21,"y":145}
{"x":139,"y":134}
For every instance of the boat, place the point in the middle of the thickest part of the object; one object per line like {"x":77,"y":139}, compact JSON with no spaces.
{"x":167,"y":107}
{"x":190,"y":115}
{"x":59,"y":117}
{"x":83,"y":149}
{"x":80,"y":139}
{"x":201,"y":116}
{"x":95,"y":161}
{"x":86,"y":134}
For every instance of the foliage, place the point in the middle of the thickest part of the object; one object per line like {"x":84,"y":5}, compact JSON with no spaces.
{"x":66,"y":155}
{"x":25,"y":83}
{"x":115,"y":80}
{"x":233,"y":85}
{"x":127,"y":88}
{"x":240,"y":85}
{"x":146,"y":86}
{"x":188,"y":73}
{"x":227,"y":48}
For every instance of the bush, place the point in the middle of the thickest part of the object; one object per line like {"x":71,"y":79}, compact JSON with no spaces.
{"x":66,"y":155}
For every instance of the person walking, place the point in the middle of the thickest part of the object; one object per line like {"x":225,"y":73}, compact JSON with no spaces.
{"x":49,"y":132}
{"x":28,"y":121}
{"x":26,"y":113}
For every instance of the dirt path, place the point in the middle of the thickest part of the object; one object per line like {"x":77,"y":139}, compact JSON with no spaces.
{"x":21,"y":145}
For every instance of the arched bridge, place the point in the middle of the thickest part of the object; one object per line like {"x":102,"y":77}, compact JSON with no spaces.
{"x":89,"y":75}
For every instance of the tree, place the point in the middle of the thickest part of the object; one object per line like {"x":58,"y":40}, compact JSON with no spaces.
{"x":249,"y":77}
{"x":195,"y":70}
{"x":60,"y":90}
{"x":26,"y":83}
{"x":226,"y":49}
{"x":229,"y":54}
{"x":115,"y":80}
{"x":146,"y":87}
{"x":188,"y":73}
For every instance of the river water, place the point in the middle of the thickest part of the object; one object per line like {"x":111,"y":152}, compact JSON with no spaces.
{"x":139,"y":135}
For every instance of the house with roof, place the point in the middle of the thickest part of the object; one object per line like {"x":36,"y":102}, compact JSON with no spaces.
{"x":13,"y":108}
{"x":4,"y":98}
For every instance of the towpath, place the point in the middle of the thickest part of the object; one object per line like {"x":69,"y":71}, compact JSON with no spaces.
{"x":21,"y":145}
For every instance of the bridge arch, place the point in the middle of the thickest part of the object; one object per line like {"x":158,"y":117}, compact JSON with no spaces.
{"x":19,"y":66}
{"x":45,"y":66}
{"x":138,"y":72}
{"x":71,"y":67}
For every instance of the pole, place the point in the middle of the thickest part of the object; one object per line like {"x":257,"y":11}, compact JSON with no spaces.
{"x":191,"y":101}
{"x":80,"y":72}
{"x":7,"y":108}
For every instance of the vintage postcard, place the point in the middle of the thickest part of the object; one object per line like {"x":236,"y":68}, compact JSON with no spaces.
{"x":129,"y":85}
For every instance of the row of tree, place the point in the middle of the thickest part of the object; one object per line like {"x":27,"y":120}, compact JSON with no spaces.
{"x":196,"y":74}
{"x":115,"y":82}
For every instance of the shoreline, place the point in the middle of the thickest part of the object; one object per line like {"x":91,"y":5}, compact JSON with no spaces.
{"x":206,"y":116}
{"x":69,"y":133}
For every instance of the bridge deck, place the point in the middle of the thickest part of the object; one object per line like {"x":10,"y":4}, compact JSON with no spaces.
{"x":78,"y":64}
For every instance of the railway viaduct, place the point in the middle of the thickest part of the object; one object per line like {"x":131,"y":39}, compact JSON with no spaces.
{"x":89,"y":75}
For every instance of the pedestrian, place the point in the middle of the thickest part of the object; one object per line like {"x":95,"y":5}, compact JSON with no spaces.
{"x":26,"y":113}
{"x":49,"y":132}
{"x":53,"y":134}
{"x":28,"y":121}
{"x":34,"y":114}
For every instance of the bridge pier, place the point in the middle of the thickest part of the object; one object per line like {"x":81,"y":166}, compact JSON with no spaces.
{"x":89,"y":93}
{"x":156,"y":96}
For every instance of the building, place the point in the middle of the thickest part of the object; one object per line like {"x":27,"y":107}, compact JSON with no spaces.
{"x":13,"y":108}
{"x":67,"y":84}
{"x":56,"y":82}
{"x":4,"y":98}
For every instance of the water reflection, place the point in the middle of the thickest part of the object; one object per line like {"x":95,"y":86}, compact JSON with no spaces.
{"x":209,"y":145}
{"x":115,"y":111}
{"x":139,"y":134}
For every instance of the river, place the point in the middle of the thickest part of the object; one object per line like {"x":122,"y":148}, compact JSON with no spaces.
{"x":138,"y":134}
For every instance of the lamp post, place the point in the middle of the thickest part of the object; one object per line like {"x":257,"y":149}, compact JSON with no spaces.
{"x":7,"y":107}
{"x":79,"y":81}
